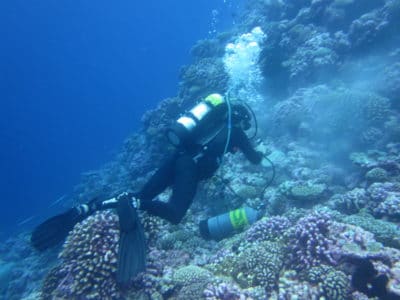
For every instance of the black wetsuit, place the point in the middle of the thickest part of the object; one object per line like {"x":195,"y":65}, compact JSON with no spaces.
{"x":185,"y":169}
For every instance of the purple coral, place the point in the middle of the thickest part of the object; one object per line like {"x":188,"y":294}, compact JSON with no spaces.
{"x":386,"y":198}
{"x":351,"y":201}
{"x":224,"y":291}
{"x":354,"y":242}
{"x":310,"y":241}
{"x":268,"y":229}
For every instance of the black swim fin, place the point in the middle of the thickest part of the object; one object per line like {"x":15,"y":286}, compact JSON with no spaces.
{"x":54,"y":230}
{"x":132,"y":244}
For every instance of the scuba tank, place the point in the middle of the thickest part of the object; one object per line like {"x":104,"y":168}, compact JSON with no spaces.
{"x":224,"y":225}
{"x":200,"y":124}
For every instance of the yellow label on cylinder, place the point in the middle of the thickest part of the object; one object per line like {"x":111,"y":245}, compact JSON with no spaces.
{"x":238,"y":218}
{"x":215,"y":99}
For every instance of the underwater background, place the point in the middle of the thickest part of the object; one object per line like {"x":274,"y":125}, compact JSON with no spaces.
{"x":88,"y":91}
{"x":76,"y":79}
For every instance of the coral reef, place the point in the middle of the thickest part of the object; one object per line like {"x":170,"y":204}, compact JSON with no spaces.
{"x":307,"y":191}
{"x":290,"y":286}
{"x":254,"y":264}
{"x":330,"y":114}
{"x":332,"y":284}
{"x":89,"y":261}
{"x":384,"y":232}
{"x":350,"y":202}
{"x":386,"y":199}
{"x":224,"y":291}
{"x":268,"y":229}
{"x":309,"y":241}
{"x":323,"y":79}
{"x":205,"y":76}
{"x":193,"y":280}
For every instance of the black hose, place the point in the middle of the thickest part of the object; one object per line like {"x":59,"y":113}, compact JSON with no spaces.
{"x":255,"y":120}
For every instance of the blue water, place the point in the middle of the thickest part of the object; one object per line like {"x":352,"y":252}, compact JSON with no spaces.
{"x":75,"y":78}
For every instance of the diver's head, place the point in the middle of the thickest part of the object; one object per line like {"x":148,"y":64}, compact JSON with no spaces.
{"x":241,"y":116}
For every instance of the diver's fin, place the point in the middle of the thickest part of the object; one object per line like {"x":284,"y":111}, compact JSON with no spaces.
{"x":132,"y":245}
{"x":54,"y":230}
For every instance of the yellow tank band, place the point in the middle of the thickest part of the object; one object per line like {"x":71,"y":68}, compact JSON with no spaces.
{"x":214,"y":99}
{"x":238,"y":218}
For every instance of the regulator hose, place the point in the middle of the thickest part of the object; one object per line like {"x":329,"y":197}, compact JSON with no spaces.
{"x":255,"y":120}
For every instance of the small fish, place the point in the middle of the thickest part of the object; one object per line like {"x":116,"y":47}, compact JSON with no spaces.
{"x":27,"y":220}
{"x":58,"y":201}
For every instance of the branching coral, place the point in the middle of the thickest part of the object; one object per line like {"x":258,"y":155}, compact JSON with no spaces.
{"x":89,"y":261}
{"x":386,"y":197}
{"x":268,"y":229}
{"x":309,"y":241}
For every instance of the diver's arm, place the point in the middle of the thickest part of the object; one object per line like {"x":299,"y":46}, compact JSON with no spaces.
{"x":241,"y":141}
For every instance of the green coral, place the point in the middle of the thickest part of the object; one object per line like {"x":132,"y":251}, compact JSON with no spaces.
{"x":336,"y":285}
{"x":247,"y":192}
{"x":361,"y":159}
{"x":50,"y":283}
{"x":385,"y":232}
{"x":376,"y":175}
{"x":192,"y":291}
{"x":315,"y":274}
{"x":176,"y":240}
{"x":333,"y":283}
{"x":257,"y":264}
{"x":307,"y":191}
{"x":190,"y":274}
{"x":262,"y":264}
{"x":192,"y":281}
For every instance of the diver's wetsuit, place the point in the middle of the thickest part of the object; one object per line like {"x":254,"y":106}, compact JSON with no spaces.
{"x":183,"y":171}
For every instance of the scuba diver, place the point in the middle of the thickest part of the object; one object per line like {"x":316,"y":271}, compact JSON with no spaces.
{"x":201,"y":137}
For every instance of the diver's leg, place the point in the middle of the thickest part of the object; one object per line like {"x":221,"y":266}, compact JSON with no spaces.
{"x":185,"y":181}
